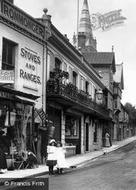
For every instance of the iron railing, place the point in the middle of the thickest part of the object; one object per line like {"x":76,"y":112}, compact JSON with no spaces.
{"x":72,"y":93}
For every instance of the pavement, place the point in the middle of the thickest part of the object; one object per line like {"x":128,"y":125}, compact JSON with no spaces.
{"x":73,"y":161}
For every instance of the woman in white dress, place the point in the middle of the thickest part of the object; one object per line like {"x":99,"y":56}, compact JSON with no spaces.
{"x":61,"y":160}
{"x":51,"y":156}
{"x":107,"y":140}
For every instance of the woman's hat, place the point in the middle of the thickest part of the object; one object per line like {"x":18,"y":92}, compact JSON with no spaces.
{"x":52,"y":141}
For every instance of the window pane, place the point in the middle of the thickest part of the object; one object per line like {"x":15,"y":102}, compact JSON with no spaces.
{"x":8,"y":55}
{"x":4,"y":52}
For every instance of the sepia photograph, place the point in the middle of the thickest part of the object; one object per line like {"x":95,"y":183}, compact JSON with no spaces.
{"x":67,"y":95}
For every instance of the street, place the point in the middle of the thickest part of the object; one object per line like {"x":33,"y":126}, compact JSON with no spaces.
{"x":114,"y":171}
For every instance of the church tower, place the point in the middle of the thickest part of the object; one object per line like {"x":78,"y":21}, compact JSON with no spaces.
{"x":86,"y":41}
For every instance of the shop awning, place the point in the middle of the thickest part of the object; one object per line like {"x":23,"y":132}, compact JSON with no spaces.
{"x":25,"y":99}
{"x":18,"y":93}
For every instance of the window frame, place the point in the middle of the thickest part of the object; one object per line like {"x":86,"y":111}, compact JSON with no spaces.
{"x":8,"y":60}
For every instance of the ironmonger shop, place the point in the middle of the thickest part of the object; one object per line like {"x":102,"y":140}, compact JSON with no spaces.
{"x":15,"y":121}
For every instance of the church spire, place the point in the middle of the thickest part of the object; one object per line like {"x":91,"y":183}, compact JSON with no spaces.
{"x":85,"y":36}
{"x":85,"y":22}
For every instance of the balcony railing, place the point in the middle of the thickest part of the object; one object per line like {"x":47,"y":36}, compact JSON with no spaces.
{"x":71,"y":93}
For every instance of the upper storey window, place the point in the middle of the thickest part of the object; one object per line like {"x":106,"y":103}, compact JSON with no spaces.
{"x":8,"y":55}
{"x":57,"y":63}
{"x":74,"y":78}
{"x":87,"y":87}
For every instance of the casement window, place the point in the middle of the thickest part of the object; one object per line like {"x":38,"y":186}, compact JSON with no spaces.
{"x":86,"y":86}
{"x":93,"y":92}
{"x":74,"y":78}
{"x":70,"y":74}
{"x":82,"y":85}
{"x":51,"y":63}
{"x":8,"y":55}
{"x":90,"y":89}
{"x":64,"y":67}
{"x":58,"y":63}
{"x":65,"y":81}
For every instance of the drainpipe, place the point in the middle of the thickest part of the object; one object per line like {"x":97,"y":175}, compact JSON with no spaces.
{"x":46,"y":20}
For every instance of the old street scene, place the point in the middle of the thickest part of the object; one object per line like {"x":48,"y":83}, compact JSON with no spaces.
{"x":67,"y":103}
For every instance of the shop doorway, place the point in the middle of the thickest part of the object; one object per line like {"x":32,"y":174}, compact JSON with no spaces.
{"x":87,"y":136}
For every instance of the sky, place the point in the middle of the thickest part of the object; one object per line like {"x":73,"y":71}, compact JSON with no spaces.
{"x":123,"y":37}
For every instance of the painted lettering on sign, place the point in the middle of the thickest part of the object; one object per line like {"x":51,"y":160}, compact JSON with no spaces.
{"x":33,"y":60}
{"x":22,"y":19}
{"x":30,"y":77}
{"x":30,"y":56}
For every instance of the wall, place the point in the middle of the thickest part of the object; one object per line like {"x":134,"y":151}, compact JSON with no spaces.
{"x":70,"y":66}
{"x":23,"y":64}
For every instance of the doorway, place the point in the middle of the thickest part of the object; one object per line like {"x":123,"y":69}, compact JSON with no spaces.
{"x":87,"y":137}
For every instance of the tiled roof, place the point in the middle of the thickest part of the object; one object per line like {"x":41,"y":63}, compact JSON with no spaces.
{"x":100,"y":57}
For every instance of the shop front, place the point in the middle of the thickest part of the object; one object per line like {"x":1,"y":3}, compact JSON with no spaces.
{"x":16,"y":134}
{"x":72,"y":134}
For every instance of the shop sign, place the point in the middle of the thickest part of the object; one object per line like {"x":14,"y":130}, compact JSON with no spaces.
{"x":7,"y":76}
{"x":32,"y":61}
{"x":22,"y":19}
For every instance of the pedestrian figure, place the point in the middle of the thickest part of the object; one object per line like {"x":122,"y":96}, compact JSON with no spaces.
{"x":107,"y":139}
{"x":3,"y":163}
{"x":31,"y":160}
{"x":110,"y":140}
{"x":51,"y":156}
{"x":61,"y":160}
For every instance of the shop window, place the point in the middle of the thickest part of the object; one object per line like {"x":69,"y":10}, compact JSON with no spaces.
{"x":72,"y":127}
{"x":8,"y":55}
